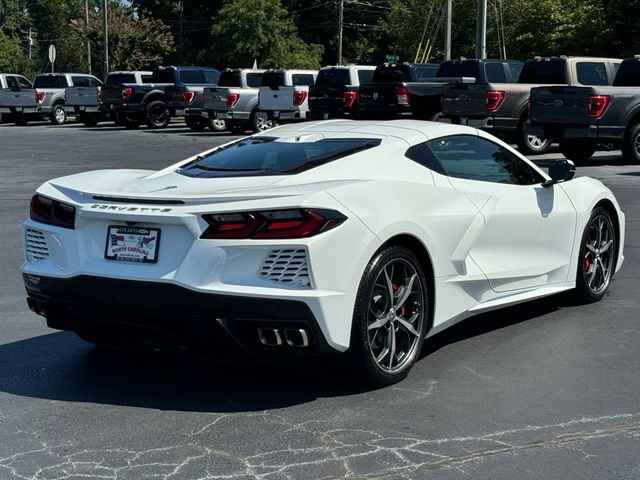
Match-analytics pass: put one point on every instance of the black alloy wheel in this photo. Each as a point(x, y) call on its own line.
point(196, 123)
point(156, 115)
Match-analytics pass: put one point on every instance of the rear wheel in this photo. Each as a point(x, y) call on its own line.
point(58, 116)
point(195, 123)
point(531, 144)
point(20, 120)
point(89, 120)
point(155, 114)
point(217, 125)
point(631, 144)
point(577, 150)
point(260, 122)
point(237, 128)
point(131, 123)
point(390, 317)
point(597, 260)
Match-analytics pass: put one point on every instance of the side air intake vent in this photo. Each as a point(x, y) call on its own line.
point(288, 266)
point(35, 245)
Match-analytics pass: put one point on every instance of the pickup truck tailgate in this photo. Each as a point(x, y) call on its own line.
point(464, 99)
point(215, 98)
point(83, 96)
point(381, 96)
point(560, 105)
point(278, 99)
point(24, 98)
point(327, 98)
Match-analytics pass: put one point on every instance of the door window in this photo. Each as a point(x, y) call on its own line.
point(211, 76)
point(23, 82)
point(12, 83)
point(80, 81)
point(94, 82)
point(592, 73)
point(191, 76)
point(495, 72)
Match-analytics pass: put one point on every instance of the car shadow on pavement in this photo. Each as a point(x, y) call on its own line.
point(60, 366)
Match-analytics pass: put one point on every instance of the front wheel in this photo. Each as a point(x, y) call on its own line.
point(58, 115)
point(155, 114)
point(631, 144)
point(597, 260)
point(577, 150)
point(390, 317)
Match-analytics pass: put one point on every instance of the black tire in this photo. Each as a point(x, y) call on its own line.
point(597, 260)
point(196, 123)
point(237, 128)
point(631, 144)
point(155, 115)
point(21, 120)
point(385, 282)
point(58, 116)
point(89, 120)
point(217, 125)
point(578, 151)
point(260, 122)
point(531, 144)
point(131, 123)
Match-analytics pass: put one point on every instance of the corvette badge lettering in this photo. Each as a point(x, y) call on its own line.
point(125, 208)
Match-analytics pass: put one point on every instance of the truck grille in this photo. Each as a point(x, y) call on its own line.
point(35, 245)
point(288, 266)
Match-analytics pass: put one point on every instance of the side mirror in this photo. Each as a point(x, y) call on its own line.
point(560, 171)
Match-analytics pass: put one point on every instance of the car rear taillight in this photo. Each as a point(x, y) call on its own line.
point(52, 212)
point(232, 99)
point(402, 95)
point(39, 96)
point(494, 99)
point(189, 96)
point(126, 93)
point(349, 99)
point(299, 97)
point(271, 224)
point(597, 105)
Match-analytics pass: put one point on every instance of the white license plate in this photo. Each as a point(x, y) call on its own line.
point(464, 120)
point(276, 114)
point(82, 109)
point(18, 109)
point(132, 244)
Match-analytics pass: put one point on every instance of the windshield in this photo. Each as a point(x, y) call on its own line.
point(260, 156)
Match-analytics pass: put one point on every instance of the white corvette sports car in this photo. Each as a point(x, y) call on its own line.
point(345, 237)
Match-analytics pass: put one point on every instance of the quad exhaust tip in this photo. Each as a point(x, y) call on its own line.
point(294, 337)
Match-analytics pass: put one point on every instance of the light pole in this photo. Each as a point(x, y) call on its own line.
point(86, 33)
point(106, 39)
point(340, 26)
point(481, 30)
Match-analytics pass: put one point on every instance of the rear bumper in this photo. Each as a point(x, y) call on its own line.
point(80, 109)
point(165, 315)
point(560, 131)
point(183, 111)
point(485, 123)
point(226, 114)
point(24, 110)
point(286, 114)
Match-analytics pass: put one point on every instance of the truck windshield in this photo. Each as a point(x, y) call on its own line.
point(229, 78)
point(162, 76)
point(629, 74)
point(261, 156)
point(115, 78)
point(50, 81)
point(333, 76)
point(549, 72)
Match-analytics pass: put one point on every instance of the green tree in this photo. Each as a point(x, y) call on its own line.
point(10, 53)
point(245, 30)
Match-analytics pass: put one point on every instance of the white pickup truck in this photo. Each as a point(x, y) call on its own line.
point(284, 94)
point(10, 83)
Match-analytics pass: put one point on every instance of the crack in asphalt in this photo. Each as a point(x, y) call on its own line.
point(337, 453)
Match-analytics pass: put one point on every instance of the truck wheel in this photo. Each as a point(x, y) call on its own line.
point(261, 122)
point(89, 120)
point(217, 125)
point(631, 144)
point(155, 114)
point(20, 120)
point(530, 144)
point(577, 150)
point(58, 115)
point(196, 123)
point(237, 128)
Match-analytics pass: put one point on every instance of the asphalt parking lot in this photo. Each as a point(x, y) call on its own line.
point(544, 390)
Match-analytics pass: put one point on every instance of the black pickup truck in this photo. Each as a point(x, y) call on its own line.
point(336, 92)
point(581, 118)
point(185, 98)
point(131, 104)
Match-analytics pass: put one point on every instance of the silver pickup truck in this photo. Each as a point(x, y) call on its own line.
point(83, 100)
point(46, 98)
point(235, 100)
point(10, 83)
point(284, 94)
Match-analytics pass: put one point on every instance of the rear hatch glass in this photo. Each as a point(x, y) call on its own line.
point(50, 81)
point(262, 156)
point(550, 72)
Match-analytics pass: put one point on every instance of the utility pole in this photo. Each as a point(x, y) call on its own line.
point(105, 34)
point(181, 11)
point(86, 33)
point(30, 42)
point(340, 25)
point(447, 33)
point(481, 30)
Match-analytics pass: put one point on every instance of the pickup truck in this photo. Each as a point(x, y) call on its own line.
point(184, 98)
point(235, 100)
point(581, 118)
point(131, 104)
point(335, 94)
point(413, 89)
point(46, 98)
point(83, 101)
point(284, 94)
point(502, 108)
point(10, 83)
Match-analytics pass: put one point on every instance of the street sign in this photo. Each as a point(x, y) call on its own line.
point(52, 56)
point(393, 58)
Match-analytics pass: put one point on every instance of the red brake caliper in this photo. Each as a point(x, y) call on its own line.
point(396, 287)
point(587, 263)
